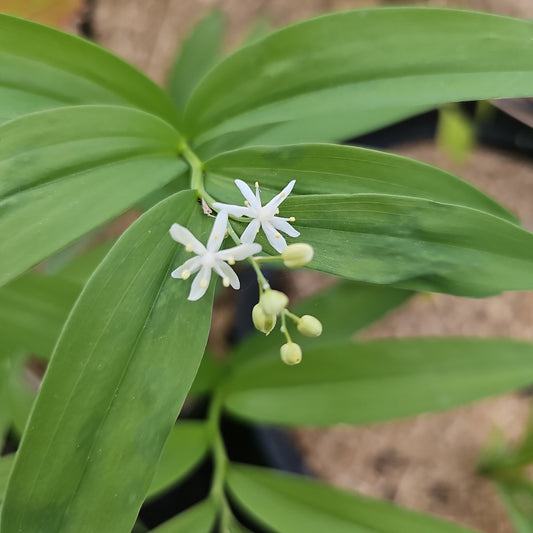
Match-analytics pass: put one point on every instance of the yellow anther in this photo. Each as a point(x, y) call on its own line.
point(256, 184)
point(215, 235)
point(231, 260)
point(292, 219)
point(185, 274)
point(225, 282)
point(203, 283)
point(277, 235)
point(246, 202)
point(283, 195)
point(189, 247)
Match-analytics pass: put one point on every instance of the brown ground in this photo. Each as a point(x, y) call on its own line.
point(426, 463)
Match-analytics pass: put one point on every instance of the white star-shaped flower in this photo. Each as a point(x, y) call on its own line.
point(262, 216)
point(210, 257)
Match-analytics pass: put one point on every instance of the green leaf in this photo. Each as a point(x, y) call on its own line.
point(6, 463)
point(44, 68)
point(333, 127)
point(412, 243)
point(518, 499)
point(66, 171)
point(364, 382)
point(199, 52)
point(343, 309)
point(115, 384)
point(236, 527)
point(376, 60)
point(185, 447)
point(292, 504)
point(197, 519)
point(33, 310)
point(81, 266)
point(327, 168)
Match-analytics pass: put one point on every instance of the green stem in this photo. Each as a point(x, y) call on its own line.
point(268, 259)
point(295, 318)
point(197, 173)
point(284, 329)
point(220, 460)
point(261, 280)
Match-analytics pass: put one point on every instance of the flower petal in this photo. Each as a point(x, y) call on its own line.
point(218, 232)
point(282, 225)
point(248, 194)
point(225, 271)
point(249, 234)
point(238, 253)
point(184, 236)
point(200, 284)
point(192, 265)
point(276, 201)
point(274, 237)
point(233, 210)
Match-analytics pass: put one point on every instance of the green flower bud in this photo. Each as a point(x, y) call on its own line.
point(309, 326)
point(297, 255)
point(273, 302)
point(263, 322)
point(291, 353)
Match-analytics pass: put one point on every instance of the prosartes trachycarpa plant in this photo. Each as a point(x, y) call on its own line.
point(232, 167)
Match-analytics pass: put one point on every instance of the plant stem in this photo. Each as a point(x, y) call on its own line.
point(197, 172)
point(261, 280)
point(220, 461)
point(284, 329)
point(292, 316)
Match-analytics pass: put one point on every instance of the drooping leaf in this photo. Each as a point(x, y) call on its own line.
point(33, 310)
point(43, 68)
point(364, 382)
point(343, 309)
point(115, 384)
point(376, 60)
point(412, 243)
point(197, 519)
point(199, 52)
point(333, 127)
point(292, 504)
point(327, 169)
point(81, 266)
point(185, 447)
point(66, 171)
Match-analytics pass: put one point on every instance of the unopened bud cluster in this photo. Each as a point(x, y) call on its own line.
point(274, 303)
